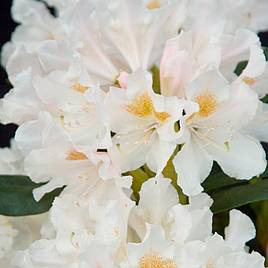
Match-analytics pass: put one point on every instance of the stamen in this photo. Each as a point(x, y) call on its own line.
point(154, 260)
point(79, 88)
point(143, 107)
point(74, 155)
point(209, 265)
point(161, 116)
point(153, 4)
point(249, 81)
point(207, 104)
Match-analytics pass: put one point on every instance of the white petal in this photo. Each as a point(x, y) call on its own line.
point(159, 154)
point(20, 61)
point(211, 81)
point(193, 165)
point(256, 63)
point(157, 196)
point(181, 225)
point(242, 259)
point(240, 230)
point(258, 127)
point(243, 159)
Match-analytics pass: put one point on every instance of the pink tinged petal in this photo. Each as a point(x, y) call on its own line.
point(122, 79)
point(20, 61)
point(54, 55)
point(176, 69)
point(236, 48)
point(21, 104)
point(193, 165)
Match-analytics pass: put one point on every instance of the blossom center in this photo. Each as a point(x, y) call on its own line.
point(79, 88)
point(74, 155)
point(249, 81)
point(209, 265)
point(143, 106)
point(153, 260)
point(207, 104)
point(153, 4)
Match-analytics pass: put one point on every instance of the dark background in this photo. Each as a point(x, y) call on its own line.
point(6, 28)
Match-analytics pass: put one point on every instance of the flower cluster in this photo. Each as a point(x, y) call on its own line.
point(105, 87)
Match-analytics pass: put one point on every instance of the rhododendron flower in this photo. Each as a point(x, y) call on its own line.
point(123, 107)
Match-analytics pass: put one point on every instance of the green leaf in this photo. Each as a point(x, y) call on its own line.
point(16, 198)
point(265, 99)
point(240, 67)
point(170, 172)
point(156, 79)
point(236, 195)
point(229, 193)
point(265, 49)
point(139, 177)
point(219, 180)
point(261, 215)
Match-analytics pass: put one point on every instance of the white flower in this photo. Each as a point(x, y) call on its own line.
point(248, 14)
point(190, 53)
point(153, 251)
point(159, 205)
point(213, 132)
point(86, 216)
point(219, 253)
point(110, 32)
point(85, 100)
point(53, 148)
point(143, 123)
point(36, 25)
point(71, 98)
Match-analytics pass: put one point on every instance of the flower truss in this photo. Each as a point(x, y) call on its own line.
point(105, 89)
